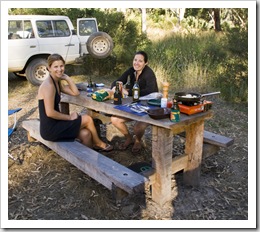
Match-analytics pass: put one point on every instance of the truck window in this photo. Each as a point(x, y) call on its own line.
point(87, 27)
point(52, 28)
point(20, 29)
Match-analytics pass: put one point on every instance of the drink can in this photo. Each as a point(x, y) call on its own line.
point(175, 116)
point(163, 102)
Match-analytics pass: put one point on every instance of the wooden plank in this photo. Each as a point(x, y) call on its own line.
point(209, 150)
point(99, 167)
point(216, 139)
point(162, 160)
point(193, 148)
point(179, 163)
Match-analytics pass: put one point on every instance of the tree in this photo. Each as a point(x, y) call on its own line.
point(143, 20)
point(216, 17)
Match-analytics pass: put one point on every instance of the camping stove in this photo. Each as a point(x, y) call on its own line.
point(190, 108)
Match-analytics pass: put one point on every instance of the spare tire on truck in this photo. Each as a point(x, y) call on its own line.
point(99, 45)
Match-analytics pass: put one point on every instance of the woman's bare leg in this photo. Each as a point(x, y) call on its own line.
point(139, 130)
point(85, 137)
point(119, 123)
point(87, 122)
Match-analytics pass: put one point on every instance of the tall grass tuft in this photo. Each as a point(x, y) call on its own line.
point(200, 62)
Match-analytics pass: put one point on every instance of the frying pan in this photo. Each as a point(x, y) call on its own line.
point(192, 97)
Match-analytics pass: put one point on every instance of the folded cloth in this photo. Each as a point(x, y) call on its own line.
point(150, 96)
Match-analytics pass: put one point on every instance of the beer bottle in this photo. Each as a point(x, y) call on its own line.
point(136, 91)
point(128, 83)
point(117, 95)
point(175, 112)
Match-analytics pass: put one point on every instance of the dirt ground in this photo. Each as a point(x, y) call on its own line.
point(47, 187)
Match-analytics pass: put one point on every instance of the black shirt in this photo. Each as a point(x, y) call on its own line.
point(147, 80)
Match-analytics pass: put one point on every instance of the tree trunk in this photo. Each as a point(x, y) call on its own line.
point(181, 12)
point(216, 12)
point(143, 20)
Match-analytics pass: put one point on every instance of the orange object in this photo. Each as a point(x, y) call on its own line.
point(206, 105)
point(169, 104)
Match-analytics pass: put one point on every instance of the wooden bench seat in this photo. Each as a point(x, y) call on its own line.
point(104, 170)
point(212, 143)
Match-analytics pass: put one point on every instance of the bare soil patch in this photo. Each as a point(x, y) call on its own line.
point(47, 187)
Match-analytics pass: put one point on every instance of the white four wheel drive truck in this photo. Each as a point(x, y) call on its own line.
point(32, 38)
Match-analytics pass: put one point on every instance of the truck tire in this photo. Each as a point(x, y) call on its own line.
point(100, 45)
point(36, 71)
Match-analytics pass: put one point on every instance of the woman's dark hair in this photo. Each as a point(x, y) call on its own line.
point(54, 57)
point(143, 54)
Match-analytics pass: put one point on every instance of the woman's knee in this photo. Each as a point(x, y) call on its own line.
point(85, 119)
point(115, 120)
point(85, 134)
point(141, 125)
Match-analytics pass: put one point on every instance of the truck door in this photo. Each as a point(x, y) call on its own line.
point(56, 37)
point(22, 44)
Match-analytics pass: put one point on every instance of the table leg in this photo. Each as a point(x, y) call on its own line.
point(162, 141)
point(64, 108)
point(193, 148)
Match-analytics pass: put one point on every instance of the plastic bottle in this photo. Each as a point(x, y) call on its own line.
point(136, 91)
point(117, 95)
point(175, 112)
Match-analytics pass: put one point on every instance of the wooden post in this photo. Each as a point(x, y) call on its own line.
point(193, 148)
point(64, 108)
point(162, 141)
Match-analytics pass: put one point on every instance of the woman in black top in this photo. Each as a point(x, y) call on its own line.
point(56, 126)
point(148, 84)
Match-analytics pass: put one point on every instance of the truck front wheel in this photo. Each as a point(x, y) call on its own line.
point(36, 71)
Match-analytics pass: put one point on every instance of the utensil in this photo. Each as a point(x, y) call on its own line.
point(192, 97)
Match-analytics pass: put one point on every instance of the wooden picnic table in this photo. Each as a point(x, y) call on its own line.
point(163, 131)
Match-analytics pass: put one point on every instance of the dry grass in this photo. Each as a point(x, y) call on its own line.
point(46, 187)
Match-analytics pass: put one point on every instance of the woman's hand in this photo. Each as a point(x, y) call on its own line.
point(73, 116)
point(64, 77)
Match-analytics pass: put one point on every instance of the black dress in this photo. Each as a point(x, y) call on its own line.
point(57, 130)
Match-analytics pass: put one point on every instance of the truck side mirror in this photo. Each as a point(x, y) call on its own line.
point(73, 32)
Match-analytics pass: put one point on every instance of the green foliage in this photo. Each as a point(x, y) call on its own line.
point(232, 76)
point(192, 57)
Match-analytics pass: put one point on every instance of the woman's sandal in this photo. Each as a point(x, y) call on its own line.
point(106, 149)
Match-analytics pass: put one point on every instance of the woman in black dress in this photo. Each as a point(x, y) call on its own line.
point(56, 126)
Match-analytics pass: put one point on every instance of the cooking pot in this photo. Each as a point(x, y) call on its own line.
point(192, 97)
point(159, 113)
